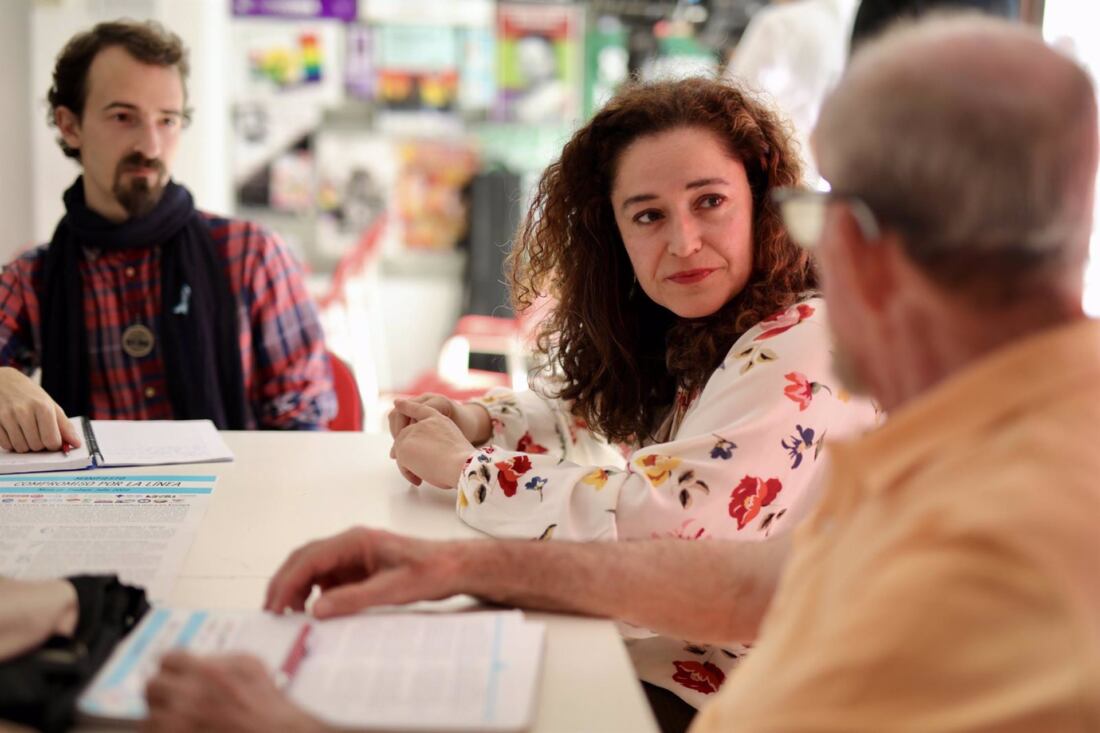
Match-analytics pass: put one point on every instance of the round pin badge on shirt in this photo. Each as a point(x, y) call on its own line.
point(138, 340)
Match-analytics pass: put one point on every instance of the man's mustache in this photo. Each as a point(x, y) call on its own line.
point(137, 160)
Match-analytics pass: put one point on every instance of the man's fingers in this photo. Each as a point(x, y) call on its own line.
point(49, 432)
point(294, 580)
point(157, 690)
point(69, 432)
point(177, 661)
point(291, 584)
point(411, 477)
point(29, 420)
point(379, 590)
point(15, 433)
point(164, 686)
point(242, 666)
point(393, 587)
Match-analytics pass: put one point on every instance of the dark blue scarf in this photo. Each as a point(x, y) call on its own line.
point(200, 344)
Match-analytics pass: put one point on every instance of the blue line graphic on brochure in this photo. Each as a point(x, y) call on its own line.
point(121, 485)
point(20, 477)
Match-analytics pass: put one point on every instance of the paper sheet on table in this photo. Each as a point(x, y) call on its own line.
point(391, 671)
point(156, 442)
point(113, 443)
point(139, 527)
point(471, 671)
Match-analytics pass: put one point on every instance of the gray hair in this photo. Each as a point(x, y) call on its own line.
point(977, 143)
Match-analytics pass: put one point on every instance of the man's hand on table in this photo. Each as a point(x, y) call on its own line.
point(429, 445)
point(29, 419)
point(360, 568)
point(233, 693)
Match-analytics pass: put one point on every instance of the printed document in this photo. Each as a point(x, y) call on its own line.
point(140, 527)
point(381, 670)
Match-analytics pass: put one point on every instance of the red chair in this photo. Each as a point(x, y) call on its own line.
point(349, 412)
point(453, 376)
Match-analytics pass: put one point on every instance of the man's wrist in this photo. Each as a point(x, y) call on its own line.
point(465, 560)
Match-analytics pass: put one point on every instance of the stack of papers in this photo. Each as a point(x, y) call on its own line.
point(391, 671)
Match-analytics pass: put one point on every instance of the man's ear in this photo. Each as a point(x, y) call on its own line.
point(871, 261)
point(68, 124)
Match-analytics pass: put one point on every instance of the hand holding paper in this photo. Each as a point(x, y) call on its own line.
point(223, 692)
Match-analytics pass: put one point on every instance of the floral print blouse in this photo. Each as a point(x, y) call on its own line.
point(742, 460)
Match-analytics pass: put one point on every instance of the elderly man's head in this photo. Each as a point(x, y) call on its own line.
point(974, 146)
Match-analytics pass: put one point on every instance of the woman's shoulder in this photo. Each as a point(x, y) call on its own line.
point(801, 321)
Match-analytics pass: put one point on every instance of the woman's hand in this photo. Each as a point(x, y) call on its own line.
point(471, 419)
point(431, 447)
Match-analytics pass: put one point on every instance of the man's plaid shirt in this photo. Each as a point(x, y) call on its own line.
point(287, 378)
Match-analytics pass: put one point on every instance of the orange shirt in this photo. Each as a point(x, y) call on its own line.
point(950, 578)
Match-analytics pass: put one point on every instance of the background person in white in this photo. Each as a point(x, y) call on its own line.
point(794, 51)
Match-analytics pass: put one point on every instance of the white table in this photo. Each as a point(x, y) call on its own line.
point(284, 489)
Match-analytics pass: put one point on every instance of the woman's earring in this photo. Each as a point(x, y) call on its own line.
point(633, 287)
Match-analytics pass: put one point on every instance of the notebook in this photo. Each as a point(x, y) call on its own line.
point(110, 443)
point(394, 671)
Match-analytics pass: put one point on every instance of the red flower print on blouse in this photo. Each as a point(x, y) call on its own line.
point(750, 496)
point(508, 473)
point(703, 677)
point(802, 390)
point(527, 444)
point(782, 322)
point(579, 423)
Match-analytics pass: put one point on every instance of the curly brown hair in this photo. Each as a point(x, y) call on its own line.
point(621, 356)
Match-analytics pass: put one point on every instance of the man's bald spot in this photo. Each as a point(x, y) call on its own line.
point(974, 61)
point(973, 135)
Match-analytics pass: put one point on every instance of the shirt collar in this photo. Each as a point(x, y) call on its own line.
point(1012, 379)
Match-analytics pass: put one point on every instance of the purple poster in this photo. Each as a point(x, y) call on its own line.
point(346, 10)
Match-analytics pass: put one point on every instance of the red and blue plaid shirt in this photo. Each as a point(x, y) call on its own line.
point(287, 378)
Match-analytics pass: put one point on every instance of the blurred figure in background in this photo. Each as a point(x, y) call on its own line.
point(794, 51)
point(875, 16)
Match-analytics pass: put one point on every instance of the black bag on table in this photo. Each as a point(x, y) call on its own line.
point(39, 688)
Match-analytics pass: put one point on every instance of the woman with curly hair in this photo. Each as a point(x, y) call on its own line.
point(686, 336)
